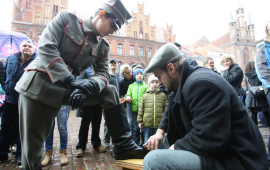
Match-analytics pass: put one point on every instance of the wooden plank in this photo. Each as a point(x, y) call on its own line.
point(130, 164)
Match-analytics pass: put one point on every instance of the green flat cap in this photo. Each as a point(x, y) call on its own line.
point(166, 54)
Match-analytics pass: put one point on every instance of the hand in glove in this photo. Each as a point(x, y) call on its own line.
point(77, 98)
point(89, 86)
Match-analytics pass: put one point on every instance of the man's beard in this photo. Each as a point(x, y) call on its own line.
point(169, 84)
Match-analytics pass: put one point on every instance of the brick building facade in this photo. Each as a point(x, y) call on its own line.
point(138, 40)
point(31, 16)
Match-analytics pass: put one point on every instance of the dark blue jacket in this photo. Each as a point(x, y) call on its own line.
point(115, 80)
point(14, 71)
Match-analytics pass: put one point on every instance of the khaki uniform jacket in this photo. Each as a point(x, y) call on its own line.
point(151, 109)
point(66, 42)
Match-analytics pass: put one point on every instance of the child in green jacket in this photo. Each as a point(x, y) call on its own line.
point(151, 109)
point(134, 94)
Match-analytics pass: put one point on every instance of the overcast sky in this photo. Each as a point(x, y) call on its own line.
point(191, 19)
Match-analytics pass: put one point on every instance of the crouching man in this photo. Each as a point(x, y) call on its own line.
point(207, 125)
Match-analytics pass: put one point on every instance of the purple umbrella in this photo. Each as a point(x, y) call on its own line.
point(10, 42)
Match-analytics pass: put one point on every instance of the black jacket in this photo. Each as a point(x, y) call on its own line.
point(123, 86)
point(258, 104)
point(2, 75)
point(234, 75)
point(205, 116)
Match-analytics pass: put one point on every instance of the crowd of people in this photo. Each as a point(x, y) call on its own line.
point(173, 114)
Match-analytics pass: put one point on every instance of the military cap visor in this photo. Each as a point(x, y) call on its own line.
point(166, 54)
point(116, 23)
point(117, 11)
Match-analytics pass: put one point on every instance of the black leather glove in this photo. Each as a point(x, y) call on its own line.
point(77, 98)
point(89, 86)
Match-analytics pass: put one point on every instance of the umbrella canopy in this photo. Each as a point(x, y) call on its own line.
point(10, 42)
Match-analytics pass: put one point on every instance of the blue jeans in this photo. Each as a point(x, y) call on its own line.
point(62, 128)
point(148, 132)
point(171, 159)
point(135, 130)
point(129, 114)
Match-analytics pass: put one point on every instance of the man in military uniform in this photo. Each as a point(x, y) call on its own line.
point(70, 45)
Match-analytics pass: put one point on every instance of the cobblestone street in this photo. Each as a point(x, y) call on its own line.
point(91, 159)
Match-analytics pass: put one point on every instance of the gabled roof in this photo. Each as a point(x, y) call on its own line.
point(225, 39)
point(204, 51)
point(201, 42)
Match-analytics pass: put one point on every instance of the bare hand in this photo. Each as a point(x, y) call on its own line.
point(154, 141)
point(129, 99)
point(140, 125)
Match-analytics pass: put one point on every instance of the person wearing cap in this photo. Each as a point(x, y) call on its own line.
point(136, 66)
point(151, 108)
point(69, 45)
point(207, 125)
point(114, 80)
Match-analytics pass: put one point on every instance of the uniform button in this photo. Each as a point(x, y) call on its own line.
point(86, 44)
point(81, 53)
point(72, 37)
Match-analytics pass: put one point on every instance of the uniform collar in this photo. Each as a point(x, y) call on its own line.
point(87, 27)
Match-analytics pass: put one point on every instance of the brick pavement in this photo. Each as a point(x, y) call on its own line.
point(91, 159)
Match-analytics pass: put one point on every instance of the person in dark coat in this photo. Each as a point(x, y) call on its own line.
point(126, 72)
point(207, 125)
point(233, 74)
point(2, 75)
point(208, 62)
point(258, 104)
point(89, 114)
point(14, 69)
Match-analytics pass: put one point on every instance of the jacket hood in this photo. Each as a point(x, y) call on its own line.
point(251, 75)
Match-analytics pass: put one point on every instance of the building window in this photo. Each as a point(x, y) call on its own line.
point(146, 36)
point(149, 52)
point(146, 21)
point(119, 49)
point(55, 8)
point(140, 24)
point(46, 21)
point(38, 18)
point(132, 49)
point(245, 56)
point(135, 34)
point(140, 51)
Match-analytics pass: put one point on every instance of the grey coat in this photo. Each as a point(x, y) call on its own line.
point(66, 42)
